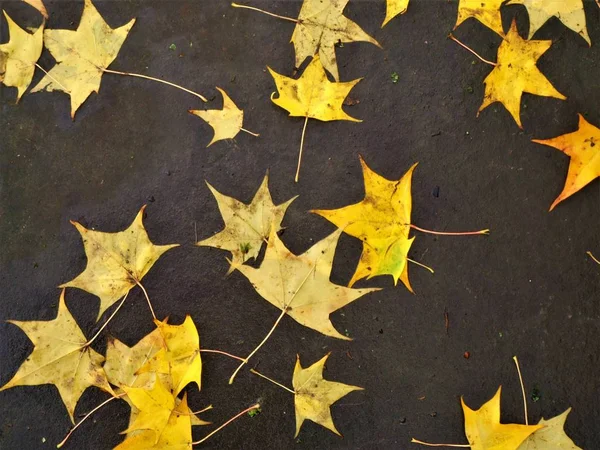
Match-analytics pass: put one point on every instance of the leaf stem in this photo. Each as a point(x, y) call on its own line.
point(208, 408)
point(301, 148)
point(51, 77)
point(247, 410)
point(416, 441)
point(420, 264)
point(291, 19)
point(449, 233)
point(522, 389)
point(491, 63)
point(88, 343)
point(86, 416)
point(147, 298)
point(146, 77)
point(266, 338)
point(205, 350)
point(256, 372)
point(590, 253)
point(250, 132)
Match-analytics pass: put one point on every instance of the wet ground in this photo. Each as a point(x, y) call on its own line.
point(528, 289)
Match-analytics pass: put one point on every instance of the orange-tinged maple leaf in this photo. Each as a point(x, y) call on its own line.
point(583, 147)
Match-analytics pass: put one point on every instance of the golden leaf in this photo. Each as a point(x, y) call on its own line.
point(116, 262)
point(516, 73)
point(82, 56)
point(486, 11)
point(322, 24)
point(226, 122)
point(300, 286)
point(315, 395)
point(382, 222)
point(569, 12)
point(583, 147)
point(61, 357)
point(394, 8)
point(247, 227)
point(19, 56)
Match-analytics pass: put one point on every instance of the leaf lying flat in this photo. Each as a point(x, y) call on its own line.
point(226, 122)
point(382, 222)
point(394, 8)
point(116, 261)
point(321, 25)
point(300, 286)
point(486, 11)
point(551, 437)
point(247, 227)
point(19, 55)
point(82, 56)
point(60, 357)
point(516, 73)
point(583, 147)
point(315, 395)
point(569, 12)
point(485, 432)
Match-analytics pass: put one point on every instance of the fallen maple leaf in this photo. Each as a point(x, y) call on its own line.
point(516, 73)
point(226, 122)
point(394, 8)
point(312, 96)
point(180, 356)
point(39, 5)
point(485, 11)
point(247, 226)
point(19, 56)
point(569, 12)
point(61, 356)
point(551, 436)
point(116, 262)
point(82, 56)
point(583, 147)
point(314, 395)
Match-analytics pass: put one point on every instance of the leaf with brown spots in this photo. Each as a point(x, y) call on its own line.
point(61, 357)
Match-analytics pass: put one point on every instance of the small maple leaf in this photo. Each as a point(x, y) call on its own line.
point(312, 96)
point(226, 122)
point(551, 436)
point(485, 11)
point(516, 73)
point(116, 262)
point(61, 357)
point(39, 5)
point(315, 395)
point(247, 226)
point(485, 432)
point(322, 24)
point(382, 222)
point(569, 12)
point(394, 8)
point(299, 284)
point(82, 56)
point(19, 56)
point(180, 356)
point(583, 147)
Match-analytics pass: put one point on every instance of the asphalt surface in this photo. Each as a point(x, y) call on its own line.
point(528, 289)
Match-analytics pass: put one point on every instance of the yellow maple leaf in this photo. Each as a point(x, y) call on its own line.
point(394, 8)
point(583, 147)
point(61, 357)
point(19, 56)
point(180, 355)
point(485, 11)
point(516, 73)
point(39, 5)
point(247, 226)
point(116, 262)
point(299, 285)
point(312, 95)
point(569, 12)
point(382, 222)
point(485, 432)
point(82, 56)
point(314, 395)
point(322, 24)
point(551, 437)
point(226, 122)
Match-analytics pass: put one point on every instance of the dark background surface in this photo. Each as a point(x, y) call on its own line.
point(528, 289)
